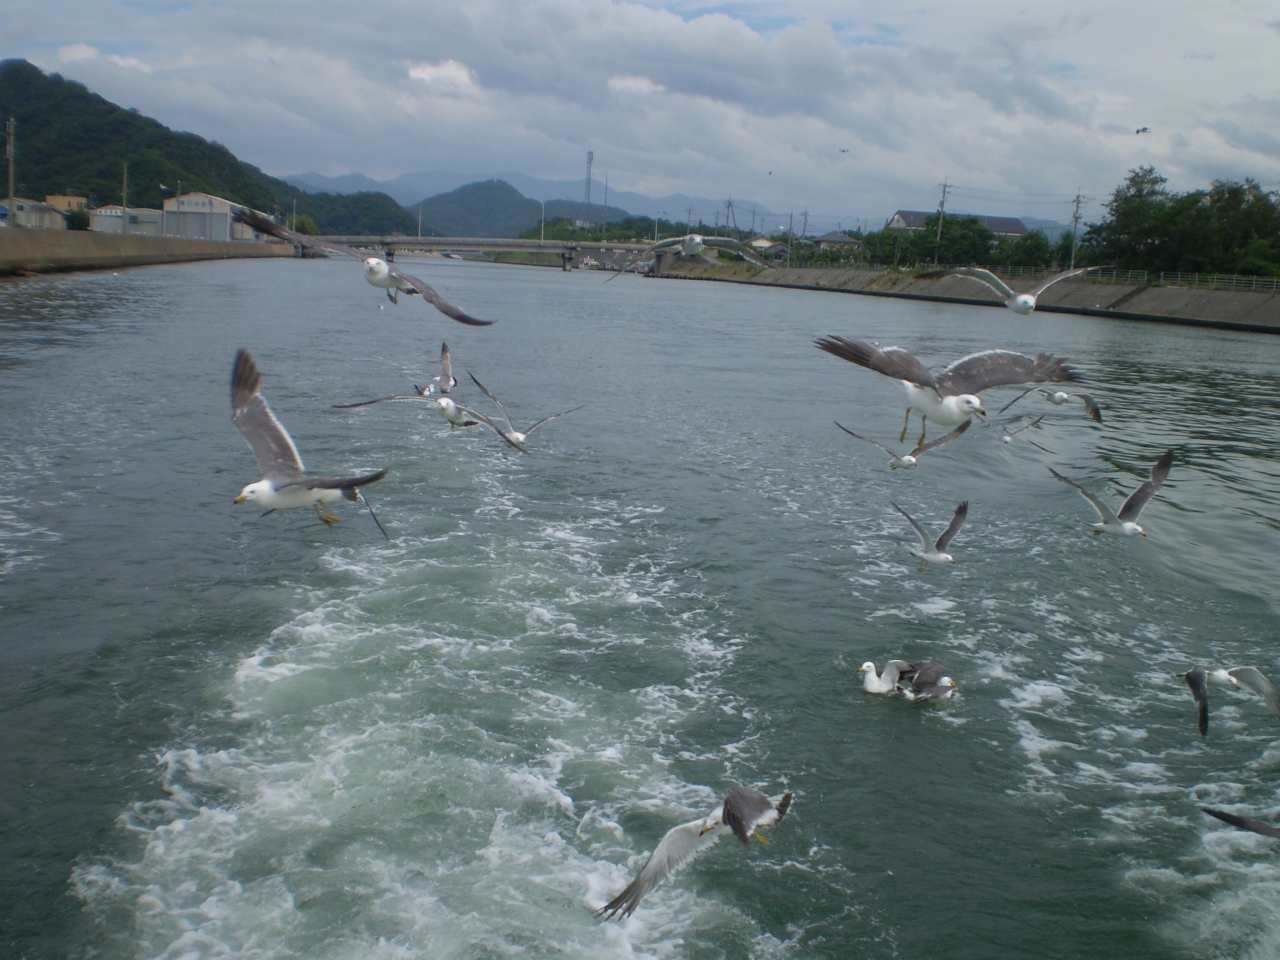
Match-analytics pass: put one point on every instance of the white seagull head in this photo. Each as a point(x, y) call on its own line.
point(255, 490)
point(969, 403)
point(713, 821)
point(375, 268)
point(692, 245)
point(1022, 304)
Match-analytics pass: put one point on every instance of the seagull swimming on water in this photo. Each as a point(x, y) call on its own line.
point(929, 682)
point(743, 813)
point(936, 552)
point(1020, 303)
point(1125, 522)
point(284, 481)
point(1250, 678)
point(509, 433)
point(908, 460)
point(693, 244)
point(381, 274)
point(951, 397)
point(877, 679)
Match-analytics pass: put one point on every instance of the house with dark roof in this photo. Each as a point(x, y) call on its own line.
point(1000, 226)
point(838, 240)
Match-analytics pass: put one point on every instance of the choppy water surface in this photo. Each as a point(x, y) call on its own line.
point(227, 735)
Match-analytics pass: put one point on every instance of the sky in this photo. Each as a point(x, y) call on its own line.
point(845, 108)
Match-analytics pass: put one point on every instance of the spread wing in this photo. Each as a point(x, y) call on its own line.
point(660, 245)
point(986, 277)
point(729, 243)
point(334, 483)
point(440, 303)
point(483, 418)
point(1001, 368)
point(552, 417)
point(678, 847)
point(891, 361)
point(957, 521)
point(271, 444)
point(867, 439)
point(398, 396)
point(1257, 826)
point(1014, 400)
point(745, 810)
point(485, 391)
point(1104, 511)
point(1252, 678)
point(271, 228)
point(446, 377)
point(945, 438)
point(924, 534)
point(1054, 279)
point(1197, 681)
point(927, 675)
point(1138, 499)
point(1091, 406)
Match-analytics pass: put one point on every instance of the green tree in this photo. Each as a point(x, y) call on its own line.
point(1029, 250)
point(78, 220)
point(304, 225)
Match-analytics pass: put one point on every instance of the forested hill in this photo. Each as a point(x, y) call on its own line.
point(72, 140)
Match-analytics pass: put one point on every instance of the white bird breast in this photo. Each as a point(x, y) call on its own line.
point(1022, 304)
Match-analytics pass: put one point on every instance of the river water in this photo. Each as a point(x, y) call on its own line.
point(227, 735)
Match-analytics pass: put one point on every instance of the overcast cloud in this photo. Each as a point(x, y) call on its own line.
point(1016, 103)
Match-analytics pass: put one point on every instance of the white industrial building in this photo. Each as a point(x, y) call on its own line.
point(196, 216)
point(143, 221)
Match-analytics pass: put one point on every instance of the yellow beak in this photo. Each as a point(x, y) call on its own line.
point(240, 499)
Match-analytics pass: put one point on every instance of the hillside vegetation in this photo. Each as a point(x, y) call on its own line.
point(72, 140)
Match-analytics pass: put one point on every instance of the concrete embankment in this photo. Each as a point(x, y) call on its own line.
point(44, 251)
point(1229, 309)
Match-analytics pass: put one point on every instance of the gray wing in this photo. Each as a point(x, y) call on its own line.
point(1257, 826)
point(1104, 511)
point(446, 377)
point(731, 244)
point(398, 396)
point(924, 534)
point(745, 809)
point(678, 847)
point(1252, 678)
point(674, 241)
point(957, 521)
point(271, 444)
point(1091, 406)
point(1014, 400)
point(539, 423)
point(485, 391)
point(899, 668)
point(1025, 426)
point(1138, 499)
point(891, 361)
point(440, 303)
point(927, 675)
point(1197, 680)
point(1001, 368)
point(945, 438)
point(334, 483)
point(866, 439)
point(1054, 279)
point(273, 229)
point(485, 419)
point(987, 277)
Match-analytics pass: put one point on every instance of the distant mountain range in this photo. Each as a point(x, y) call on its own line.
point(494, 208)
point(410, 189)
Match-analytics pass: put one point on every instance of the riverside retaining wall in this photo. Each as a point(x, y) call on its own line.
point(44, 251)
point(1230, 309)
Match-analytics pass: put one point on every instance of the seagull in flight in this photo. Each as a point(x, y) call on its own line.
point(284, 481)
point(908, 460)
point(509, 432)
point(1058, 398)
point(1125, 522)
point(1020, 303)
point(1143, 130)
point(951, 397)
point(744, 813)
point(445, 382)
point(1006, 436)
point(936, 551)
point(693, 244)
point(1250, 678)
point(381, 274)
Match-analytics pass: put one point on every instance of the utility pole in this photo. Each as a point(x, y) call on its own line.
point(604, 220)
point(10, 129)
point(544, 220)
point(419, 220)
point(804, 229)
point(791, 234)
point(295, 218)
point(942, 213)
point(124, 201)
point(1075, 226)
point(591, 156)
point(688, 220)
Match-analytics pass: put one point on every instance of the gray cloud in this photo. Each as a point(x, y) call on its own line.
point(688, 96)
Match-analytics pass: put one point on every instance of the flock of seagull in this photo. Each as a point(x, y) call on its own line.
point(951, 398)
